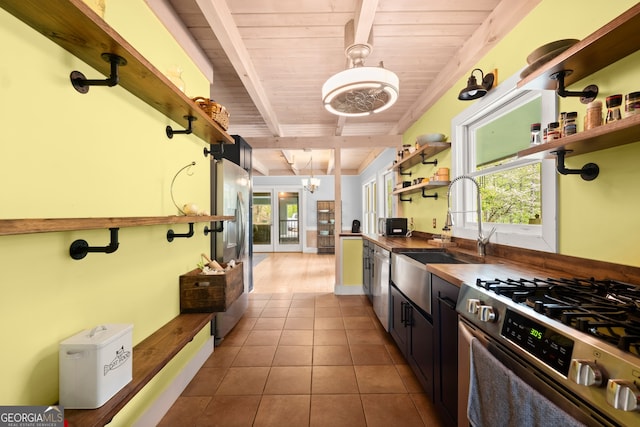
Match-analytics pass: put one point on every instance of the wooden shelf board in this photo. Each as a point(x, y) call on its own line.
point(46, 225)
point(429, 150)
point(75, 27)
point(607, 45)
point(427, 186)
point(610, 135)
point(149, 357)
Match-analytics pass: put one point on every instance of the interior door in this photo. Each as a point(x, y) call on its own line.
point(263, 227)
point(289, 225)
point(277, 224)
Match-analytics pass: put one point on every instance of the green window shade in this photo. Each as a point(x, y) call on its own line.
point(508, 134)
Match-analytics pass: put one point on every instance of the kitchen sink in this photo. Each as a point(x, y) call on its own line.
point(409, 274)
point(434, 257)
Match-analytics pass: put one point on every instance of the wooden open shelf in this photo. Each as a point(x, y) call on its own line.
point(418, 187)
point(149, 357)
point(607, 45)
point(610, 135)
point(428, 150)
point(46, 225)
point(75, 27)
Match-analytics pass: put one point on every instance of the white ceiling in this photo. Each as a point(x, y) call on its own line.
point(269, 58)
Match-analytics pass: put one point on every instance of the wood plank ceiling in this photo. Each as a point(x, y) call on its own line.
point(270, 58)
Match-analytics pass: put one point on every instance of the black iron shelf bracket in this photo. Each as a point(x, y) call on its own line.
point(219, 228)
point(410, 200)
point(214, 150)
point(403, 173)
point(433, 196)
point(589, 172)
point(586, 96)
point(172, 234)
point(82, 84)
point(80, 248)
point(170, 132)
point(424, 162)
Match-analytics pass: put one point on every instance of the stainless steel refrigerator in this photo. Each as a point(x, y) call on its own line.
point(232, 187)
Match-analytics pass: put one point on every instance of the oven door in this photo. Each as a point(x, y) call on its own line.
point(534, 378)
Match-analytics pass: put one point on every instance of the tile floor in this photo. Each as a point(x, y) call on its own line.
point(305, 359)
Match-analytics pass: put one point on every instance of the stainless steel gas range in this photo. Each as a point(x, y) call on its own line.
point(575, 341)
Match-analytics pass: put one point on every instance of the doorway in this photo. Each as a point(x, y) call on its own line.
point(277, 220)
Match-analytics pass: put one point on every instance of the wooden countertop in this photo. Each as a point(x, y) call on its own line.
point(400, 244)
point(458, 274)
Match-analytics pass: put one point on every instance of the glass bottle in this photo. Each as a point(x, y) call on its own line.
point(613, 108)
point(535, 134)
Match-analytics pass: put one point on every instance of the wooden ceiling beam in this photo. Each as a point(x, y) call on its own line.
point(325, 142)
point(499, 23)
point(221, 22)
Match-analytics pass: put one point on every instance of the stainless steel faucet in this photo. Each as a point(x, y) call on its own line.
point(482, 241)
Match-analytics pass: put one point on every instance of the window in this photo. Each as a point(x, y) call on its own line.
point(370, 202)
point(518, 195)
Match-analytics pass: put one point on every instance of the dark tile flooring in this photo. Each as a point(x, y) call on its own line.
point(305, 359)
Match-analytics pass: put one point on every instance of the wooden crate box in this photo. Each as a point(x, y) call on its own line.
point(210, 293)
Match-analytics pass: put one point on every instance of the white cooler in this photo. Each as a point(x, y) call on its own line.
point(94, 365)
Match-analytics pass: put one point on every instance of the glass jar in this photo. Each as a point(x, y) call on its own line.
point(613, 108)
point(593, 118)
point(632, 104)
point(535, 134)
point(570, 123)
point(553, 131)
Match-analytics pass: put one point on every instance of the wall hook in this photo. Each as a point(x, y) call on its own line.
point(218, 229)
point(82, 84)
point(172, 234)
point(215, 150)
point(170, 132)
point(586, 96)
point(406, 200)
point(433, 196)
point(424, 162)
point(80, 248)
point(589, 172)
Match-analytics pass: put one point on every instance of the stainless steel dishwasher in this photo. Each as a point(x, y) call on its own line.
point(380, 284)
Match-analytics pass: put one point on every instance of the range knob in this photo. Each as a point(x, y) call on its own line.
point(585, 372)
point(472, 305)
point(486, 313)
point(623, 394)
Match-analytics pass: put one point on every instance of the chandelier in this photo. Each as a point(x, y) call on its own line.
point(360, 90)
point(310, 184)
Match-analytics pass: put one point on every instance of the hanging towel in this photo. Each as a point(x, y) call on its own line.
point(498, 397)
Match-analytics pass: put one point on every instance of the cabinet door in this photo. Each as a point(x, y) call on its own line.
point(398, 328)
point(445, 323)
point(421, 349)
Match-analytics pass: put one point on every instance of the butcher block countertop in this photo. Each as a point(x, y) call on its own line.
point(503, 262)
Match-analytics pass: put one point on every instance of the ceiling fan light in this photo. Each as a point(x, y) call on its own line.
point(360, 91)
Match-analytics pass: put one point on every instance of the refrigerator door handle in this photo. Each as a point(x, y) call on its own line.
point(240, 226)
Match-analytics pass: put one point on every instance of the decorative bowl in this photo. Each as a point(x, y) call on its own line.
point(555, 47)
point(324, 232)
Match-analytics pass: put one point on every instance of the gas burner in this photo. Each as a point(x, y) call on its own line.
point(606, 309)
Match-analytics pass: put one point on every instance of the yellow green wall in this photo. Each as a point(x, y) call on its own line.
point(102, 154)
point(596, 220)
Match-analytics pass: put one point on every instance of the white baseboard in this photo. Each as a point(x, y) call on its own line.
point(163, 403)
point(348, 290)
